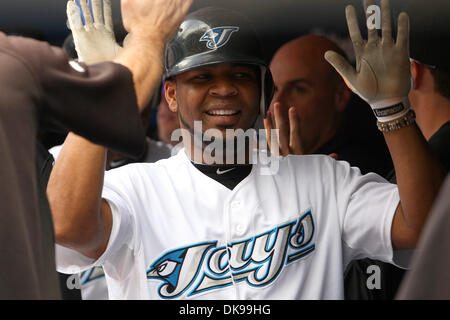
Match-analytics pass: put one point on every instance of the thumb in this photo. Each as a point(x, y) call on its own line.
point(343, 67)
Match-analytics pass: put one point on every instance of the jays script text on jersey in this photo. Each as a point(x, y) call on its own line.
point(257, 260)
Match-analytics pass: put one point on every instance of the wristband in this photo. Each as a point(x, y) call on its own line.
point(392, 109)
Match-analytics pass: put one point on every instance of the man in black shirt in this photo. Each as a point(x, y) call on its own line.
point(430, 68)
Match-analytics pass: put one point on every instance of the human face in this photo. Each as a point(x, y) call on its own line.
point(302, 80)
point(221, 96)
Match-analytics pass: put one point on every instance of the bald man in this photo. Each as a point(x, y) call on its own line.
point(333, 121)
point(305, 80)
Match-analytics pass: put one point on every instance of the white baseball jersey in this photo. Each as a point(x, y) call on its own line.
point(92, 281)
point(178, 234)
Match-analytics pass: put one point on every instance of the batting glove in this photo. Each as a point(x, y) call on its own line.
point(95, 41)
point(382, 76)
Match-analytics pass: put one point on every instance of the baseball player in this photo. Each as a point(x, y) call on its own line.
point(184, 229)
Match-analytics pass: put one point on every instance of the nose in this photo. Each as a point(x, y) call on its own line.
point(223, 88)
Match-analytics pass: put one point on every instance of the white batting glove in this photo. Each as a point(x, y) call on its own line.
point(382, 76)
point(94, 42)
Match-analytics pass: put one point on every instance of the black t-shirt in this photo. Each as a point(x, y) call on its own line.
point(440, 144)
point(359, 142)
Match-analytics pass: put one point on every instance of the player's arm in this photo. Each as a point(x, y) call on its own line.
point(382, 78)
point(82, 220)
point(419, 177)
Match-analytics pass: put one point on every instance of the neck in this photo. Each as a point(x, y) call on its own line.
point(218, 152)
point(432, 113)
point(329, 134)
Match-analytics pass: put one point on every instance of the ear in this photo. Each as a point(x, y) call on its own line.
point(342, 96)
point(170, 90)
point(416, 73)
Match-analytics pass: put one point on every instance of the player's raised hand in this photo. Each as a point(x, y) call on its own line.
point(288, 139)
point(382, 76)
point(155, 19)
point(94, 41)
point(288, 136)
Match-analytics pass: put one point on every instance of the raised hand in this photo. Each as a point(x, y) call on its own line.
point(382, 75)
point(95, 41)
point(288, 137)
point(158, 18)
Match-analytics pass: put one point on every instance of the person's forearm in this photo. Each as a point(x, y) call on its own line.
point(74, 193)
point(144, 58)
point(419, 174)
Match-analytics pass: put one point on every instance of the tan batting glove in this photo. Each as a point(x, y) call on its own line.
point(94, 42)
point(382, 76)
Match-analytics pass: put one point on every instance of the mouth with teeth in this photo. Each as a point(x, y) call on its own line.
point(224, 112)
point(225, 117)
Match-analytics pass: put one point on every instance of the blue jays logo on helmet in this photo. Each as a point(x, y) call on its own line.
point(218, 37)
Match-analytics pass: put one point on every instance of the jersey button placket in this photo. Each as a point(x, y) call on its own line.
point(236, 228)
point(239, 227)
point(235, 205)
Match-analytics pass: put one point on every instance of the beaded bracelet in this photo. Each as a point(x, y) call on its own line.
point(407, 120)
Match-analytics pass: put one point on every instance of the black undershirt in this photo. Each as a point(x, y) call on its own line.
point(228, 175)
point(440, 144)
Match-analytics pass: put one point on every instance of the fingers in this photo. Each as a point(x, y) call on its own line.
point(86, 13)
point(282, 124)
point(372, 33)
point(386, 23)
point(75, 23)
point(108, 15)
point(342, 66)
point(73, 15)
point(286, 139)
point(295, 143)
point(186, 5)
point(162, 17)
point(403, 30)
point(353, 27)
point(97, 11)
point(268, 126)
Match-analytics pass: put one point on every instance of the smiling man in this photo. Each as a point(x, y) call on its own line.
point(184, 229)
point(217, 79)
